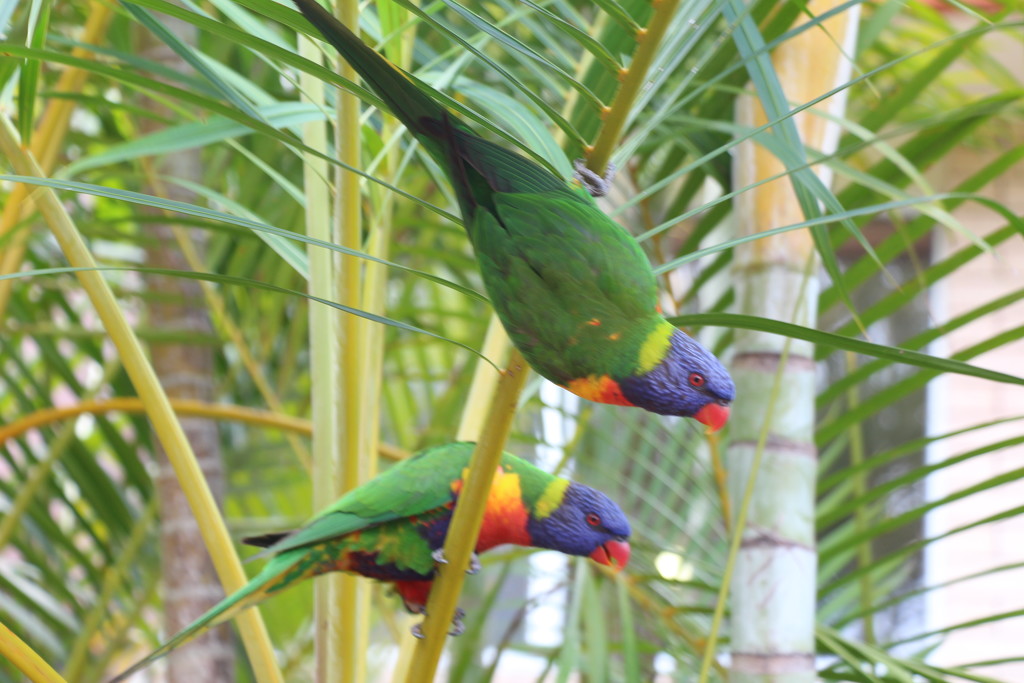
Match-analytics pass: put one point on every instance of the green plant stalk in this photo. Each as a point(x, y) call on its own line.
point(126, 556)
point(323, 350)
point(596, 628)
point(165, 423)
point(467, 519)
point(46, 141)
point(860, 515)
point(632, 79)
point(721, 478)
point(358, 460)
point(655, 606)
point(569, 653)
point(630, 650)
point(741, 516)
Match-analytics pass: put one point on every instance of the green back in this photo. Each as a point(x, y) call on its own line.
point(553, 265)
point(414, 487)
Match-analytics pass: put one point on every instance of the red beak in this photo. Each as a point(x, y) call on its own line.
point(714, 415)
point(612, 553)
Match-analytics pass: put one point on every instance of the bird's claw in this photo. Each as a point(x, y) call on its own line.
point(458, 628)
point(596, 185)
point(474, 560)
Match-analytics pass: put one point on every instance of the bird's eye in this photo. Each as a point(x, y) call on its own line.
point(593, 519)
point(697, 379)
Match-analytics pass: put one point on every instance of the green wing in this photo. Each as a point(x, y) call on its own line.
point(411, 487)
point(553, 265)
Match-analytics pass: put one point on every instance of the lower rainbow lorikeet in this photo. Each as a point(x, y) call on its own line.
point(393, 528)
point(573, 289)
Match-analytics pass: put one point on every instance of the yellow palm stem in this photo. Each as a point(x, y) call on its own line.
point(158, 408)
point(352, 615)
point(323, 348)
point(467, 520)
point(485, 380)
point(474, 411)
point(721, 478)
point(632, 78)
point(25, 659)
point(181, 406)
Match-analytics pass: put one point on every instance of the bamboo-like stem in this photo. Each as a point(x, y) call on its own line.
point(474, 411)
point(467, 520)
point(632, 79)
point(774, 591)
point(352, 615)
point(750, 481)
point(46, 140)
point(25, 659)
point(323, 349)
point(165, 424)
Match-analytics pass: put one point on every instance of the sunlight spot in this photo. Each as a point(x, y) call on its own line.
point(673, 567)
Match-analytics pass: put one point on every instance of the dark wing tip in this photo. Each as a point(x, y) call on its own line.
point(264, 540)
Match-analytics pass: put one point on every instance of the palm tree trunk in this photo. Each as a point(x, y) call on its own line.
point(774, 588)
point(186, 371)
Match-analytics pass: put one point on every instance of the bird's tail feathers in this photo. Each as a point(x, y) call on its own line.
point(398, 89)
point(450, 155)
point(247, 596)
point(265, 540)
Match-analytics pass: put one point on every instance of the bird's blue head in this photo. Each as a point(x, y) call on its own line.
point(687, 381)
point(585, 522)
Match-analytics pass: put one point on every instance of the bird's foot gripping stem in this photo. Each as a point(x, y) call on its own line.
point(458, 628)
point(596, 185)
point(474, 560)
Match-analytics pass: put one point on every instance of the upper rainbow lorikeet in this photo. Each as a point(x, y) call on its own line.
point(392, 528)
point(573, 289)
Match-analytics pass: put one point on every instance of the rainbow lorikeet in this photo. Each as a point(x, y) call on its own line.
point(393, 527)
point(572, 288)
